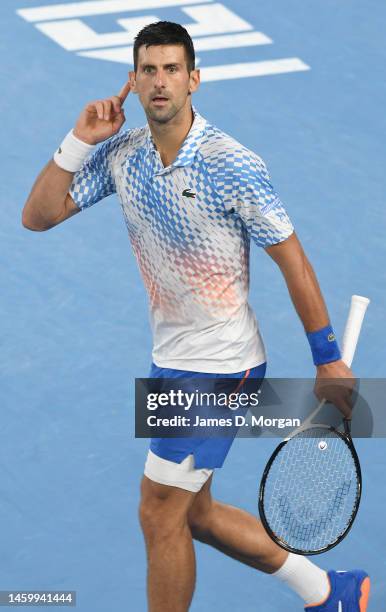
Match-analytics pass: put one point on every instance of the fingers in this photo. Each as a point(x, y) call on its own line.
point(337, 392)
point(99, 109)
point(117, 104)
point(343, 403)
point(346, 409)
point(106, 109)
point(124, 92)
point(103, 109)
point(118, 121)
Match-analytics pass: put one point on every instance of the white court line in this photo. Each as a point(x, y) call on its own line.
point(253, 69)
point(97, 7)
point(124, 55)
point(214, 73)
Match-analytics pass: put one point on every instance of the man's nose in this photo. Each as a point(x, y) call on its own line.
point(159, 79)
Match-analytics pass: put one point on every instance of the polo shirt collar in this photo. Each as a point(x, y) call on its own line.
point(189, 147)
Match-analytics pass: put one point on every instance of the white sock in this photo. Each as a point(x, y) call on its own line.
point(305, 578)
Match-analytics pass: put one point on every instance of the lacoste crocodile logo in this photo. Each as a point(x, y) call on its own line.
point(188, 194)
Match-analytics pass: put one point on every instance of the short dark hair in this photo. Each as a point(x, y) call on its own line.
point(165, 33)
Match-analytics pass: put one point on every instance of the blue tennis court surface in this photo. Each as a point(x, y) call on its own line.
point(302, 84)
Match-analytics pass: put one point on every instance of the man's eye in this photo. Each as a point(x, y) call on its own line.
point(172, 68)
point(148, 69)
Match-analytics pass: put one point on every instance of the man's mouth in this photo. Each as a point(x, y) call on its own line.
point(159, 99)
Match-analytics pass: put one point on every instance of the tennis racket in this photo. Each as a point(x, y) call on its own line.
point(311, 486)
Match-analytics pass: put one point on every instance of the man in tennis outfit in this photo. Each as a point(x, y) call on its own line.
point(192, 198)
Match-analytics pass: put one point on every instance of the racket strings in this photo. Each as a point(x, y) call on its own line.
point(311, 490)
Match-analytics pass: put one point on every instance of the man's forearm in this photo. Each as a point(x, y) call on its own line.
point(49, 202)
point(307, 298)
point(309, 303)
point(46, 204)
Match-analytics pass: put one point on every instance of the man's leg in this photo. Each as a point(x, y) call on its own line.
point(172, 513)
point(170, 552)
point(241, 536)
point(170, 516)
point(234, 532)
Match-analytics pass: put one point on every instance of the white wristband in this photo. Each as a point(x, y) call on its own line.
point(72, 153)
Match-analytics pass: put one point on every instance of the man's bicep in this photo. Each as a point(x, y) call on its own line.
point(286, 248)
point(291, 258)
point(69, 210)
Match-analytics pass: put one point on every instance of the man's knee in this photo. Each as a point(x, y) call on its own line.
point(200, 514)
point(163, 510)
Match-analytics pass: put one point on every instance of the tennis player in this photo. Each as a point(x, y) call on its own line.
point(192, 198)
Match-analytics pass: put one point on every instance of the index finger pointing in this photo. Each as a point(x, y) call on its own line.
point(124, 92)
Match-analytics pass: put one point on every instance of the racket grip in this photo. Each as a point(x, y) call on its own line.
point(353, 327)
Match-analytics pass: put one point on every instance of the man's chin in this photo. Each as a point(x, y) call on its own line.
point(161, 115)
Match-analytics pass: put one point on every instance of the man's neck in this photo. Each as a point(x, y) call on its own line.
point(168, 137)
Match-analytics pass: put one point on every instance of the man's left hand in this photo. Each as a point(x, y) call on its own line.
point(334, 383)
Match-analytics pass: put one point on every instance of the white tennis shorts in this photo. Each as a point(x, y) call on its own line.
point(182, 475)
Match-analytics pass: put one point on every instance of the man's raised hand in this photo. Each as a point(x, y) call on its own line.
point(102, 119)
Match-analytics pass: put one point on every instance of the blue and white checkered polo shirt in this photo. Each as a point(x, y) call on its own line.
point(190, 226)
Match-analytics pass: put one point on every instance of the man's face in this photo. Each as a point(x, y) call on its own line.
point(163, 82)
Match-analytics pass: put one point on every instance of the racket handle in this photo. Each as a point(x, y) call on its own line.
point(353, 327)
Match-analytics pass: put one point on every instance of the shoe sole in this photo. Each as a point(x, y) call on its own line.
point(365, 593)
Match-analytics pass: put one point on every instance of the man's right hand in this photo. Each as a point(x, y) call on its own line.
point(102, 119)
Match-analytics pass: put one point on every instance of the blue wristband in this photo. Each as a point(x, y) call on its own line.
point(324, 346)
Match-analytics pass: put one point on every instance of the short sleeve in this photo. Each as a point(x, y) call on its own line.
point(94, 181)
point(258, 204)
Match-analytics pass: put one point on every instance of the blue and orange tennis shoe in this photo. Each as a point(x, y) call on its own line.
point(349, 593)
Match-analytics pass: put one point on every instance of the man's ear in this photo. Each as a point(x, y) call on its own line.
point(194, 80)
point(133, 82)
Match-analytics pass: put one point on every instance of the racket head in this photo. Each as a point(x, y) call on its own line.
point(310, 493)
